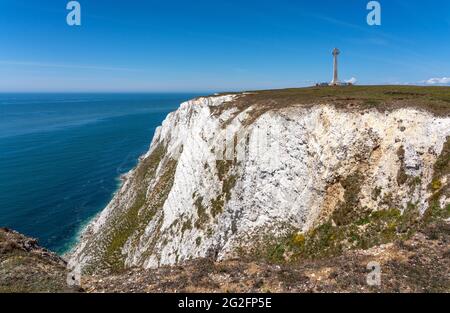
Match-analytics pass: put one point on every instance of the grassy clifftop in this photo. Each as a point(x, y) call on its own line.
point(383, 98)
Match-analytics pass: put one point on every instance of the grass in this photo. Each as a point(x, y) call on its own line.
point(25, 267)
point(442, 165)
point(345, 210)
point(223, 167)
point(383, 98)
point(202, 215)
point(187, 225)
point(376, 192)
point(129, 223)
point(328, 239)
point(122, 232)
point(441, 169)
point(217, 205)
point(351, 226)
point(402, 177)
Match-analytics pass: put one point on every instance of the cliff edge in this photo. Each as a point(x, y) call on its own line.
point(279, 176)
point(27, 267)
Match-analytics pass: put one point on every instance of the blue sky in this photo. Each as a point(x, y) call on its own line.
point(218, 45)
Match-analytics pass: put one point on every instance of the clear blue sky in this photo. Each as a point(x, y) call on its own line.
point(218, 45)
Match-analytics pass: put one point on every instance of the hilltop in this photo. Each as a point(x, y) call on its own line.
point(435, 99)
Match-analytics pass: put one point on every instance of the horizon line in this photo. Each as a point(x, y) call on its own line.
point(198, 91)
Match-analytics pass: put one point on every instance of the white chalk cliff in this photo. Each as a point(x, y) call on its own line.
point(215, 179)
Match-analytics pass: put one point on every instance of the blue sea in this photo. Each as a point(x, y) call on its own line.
point(61, 156)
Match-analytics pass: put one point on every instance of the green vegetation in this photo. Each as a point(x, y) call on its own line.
point(22, 272)
point(414, 181)
point(371, 103)
point(401, 175)
point(187, 225)
point(376, 192)
point(148, 166)
point(130, 223)
point(329, 239)
point(351, 226)
point(382, 98)
point(122, 232)
point(345, 211)
point(223, 167)
point(441, 169)
point(217, 205)
point(442, 165)
point(25, 267)
point(228, 185)
point(203, 216)
point(228, 182)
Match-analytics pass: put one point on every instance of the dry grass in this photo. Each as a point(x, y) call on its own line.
point(383, 98)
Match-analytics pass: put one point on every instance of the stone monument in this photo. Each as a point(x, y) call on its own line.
point(335, 80)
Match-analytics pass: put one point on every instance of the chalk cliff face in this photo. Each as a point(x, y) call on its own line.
point(220, 179)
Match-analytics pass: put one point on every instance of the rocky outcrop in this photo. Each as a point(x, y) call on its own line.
point(227, 175)
point(27, 267)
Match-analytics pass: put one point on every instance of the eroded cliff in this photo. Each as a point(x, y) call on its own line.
point(280, 175)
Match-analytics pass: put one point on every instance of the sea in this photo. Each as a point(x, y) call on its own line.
point(62, 155)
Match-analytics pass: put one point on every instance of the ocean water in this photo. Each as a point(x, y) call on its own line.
point(61, 156)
